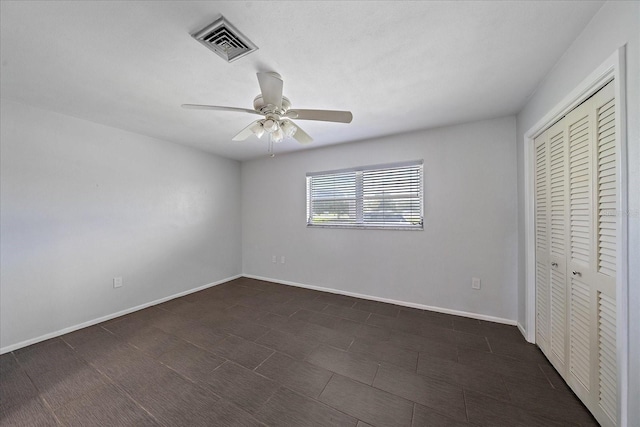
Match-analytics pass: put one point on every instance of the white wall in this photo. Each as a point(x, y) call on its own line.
point(616, 24)
point(82, 203)
point(470, 222)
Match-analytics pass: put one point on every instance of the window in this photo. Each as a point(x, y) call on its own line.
point(382, 196)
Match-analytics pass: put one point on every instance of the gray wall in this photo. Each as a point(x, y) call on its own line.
point(82, 203)
point(470, 222)
point(616, 24)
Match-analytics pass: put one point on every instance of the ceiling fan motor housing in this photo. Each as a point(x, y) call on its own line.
point(262, 108)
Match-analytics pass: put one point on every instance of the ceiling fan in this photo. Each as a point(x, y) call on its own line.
point(277, 113)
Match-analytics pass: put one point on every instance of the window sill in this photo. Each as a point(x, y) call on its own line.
point(369, 227)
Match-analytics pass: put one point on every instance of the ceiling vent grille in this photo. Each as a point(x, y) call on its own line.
point(225, 40)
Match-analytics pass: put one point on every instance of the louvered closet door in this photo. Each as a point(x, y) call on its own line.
point(543, 309)
point(592, 261)
point(551, 185)
point(576, 198)
point(581, 320)
point(604, 256)
point(558, 220)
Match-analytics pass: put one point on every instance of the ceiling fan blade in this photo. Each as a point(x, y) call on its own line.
point(247, 132)
point(301, 136)
point(321, 115)
point(271, 88)
point(218, 108)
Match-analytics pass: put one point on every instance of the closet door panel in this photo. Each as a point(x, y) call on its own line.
point(558, 190)
point(543, 309)
point(580, 123)
point(605, 256)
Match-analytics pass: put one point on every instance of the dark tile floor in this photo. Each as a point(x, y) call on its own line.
point(257, 353)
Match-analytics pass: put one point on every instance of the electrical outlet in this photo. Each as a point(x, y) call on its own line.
point(117, 282)
point(273, 259)
point(282, 259)
point(475, 283)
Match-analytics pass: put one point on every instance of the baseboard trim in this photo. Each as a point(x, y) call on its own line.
point(523, 331)
point(50, 335)
point(388, 300)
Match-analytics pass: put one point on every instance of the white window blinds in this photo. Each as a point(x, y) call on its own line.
point(382, 196)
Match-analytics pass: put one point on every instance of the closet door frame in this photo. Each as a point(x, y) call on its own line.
point(612, 69)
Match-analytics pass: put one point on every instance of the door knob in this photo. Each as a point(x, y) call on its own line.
point(554, 264)
point(577, 273)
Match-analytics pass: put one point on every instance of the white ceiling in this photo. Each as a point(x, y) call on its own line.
point(398, 66)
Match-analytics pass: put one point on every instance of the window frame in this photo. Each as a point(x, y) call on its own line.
point(359, 197)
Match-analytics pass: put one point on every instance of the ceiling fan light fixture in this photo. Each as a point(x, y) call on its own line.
point(270, 125)
point(257, 129)
point(288, 128)
point(277, 135)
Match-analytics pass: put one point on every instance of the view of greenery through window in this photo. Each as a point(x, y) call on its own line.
point(379, 197)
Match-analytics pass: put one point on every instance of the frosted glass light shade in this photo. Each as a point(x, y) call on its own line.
point(270, 125)
point(288, 128)
point(277, 135)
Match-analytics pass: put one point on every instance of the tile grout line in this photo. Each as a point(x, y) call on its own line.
point(325, 386)
point(466, 407)
point(547, 377)
point(261, 363)
point(50, 408)
point(413, 412)
point(504, 384)
point(375, 376)
point(489, 344)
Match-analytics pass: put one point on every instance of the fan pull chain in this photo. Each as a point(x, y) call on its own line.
point(270, 150)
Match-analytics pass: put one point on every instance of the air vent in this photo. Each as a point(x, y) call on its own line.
point(223, 38)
